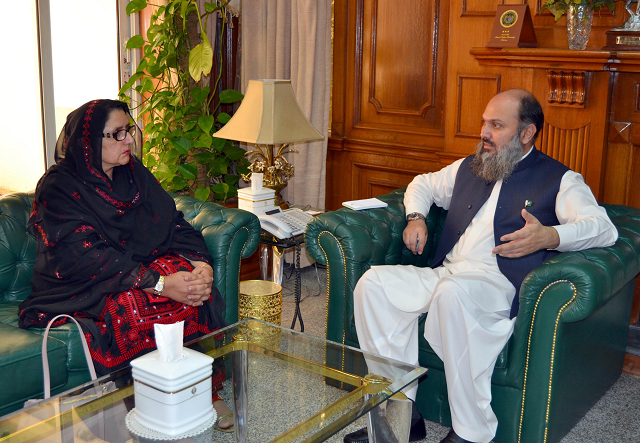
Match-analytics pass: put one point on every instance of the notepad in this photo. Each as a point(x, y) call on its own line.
point(367, 203)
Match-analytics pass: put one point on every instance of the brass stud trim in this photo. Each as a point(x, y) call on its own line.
point(344, 265)
point(526, 367)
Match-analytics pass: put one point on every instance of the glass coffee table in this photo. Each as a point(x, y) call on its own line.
point(286, 387)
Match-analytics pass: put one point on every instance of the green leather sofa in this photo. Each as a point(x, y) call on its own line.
point(231, 234)
point(570, 335)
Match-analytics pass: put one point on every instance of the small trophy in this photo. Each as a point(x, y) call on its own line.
point(626, 37)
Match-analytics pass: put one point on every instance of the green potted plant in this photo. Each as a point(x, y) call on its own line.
point(579, 17)
point(180, 102)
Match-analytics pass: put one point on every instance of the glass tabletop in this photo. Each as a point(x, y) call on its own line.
point(286, 387)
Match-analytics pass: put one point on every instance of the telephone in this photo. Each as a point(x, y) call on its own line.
point(284, 224)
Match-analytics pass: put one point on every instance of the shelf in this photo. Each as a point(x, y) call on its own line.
point(558, 59)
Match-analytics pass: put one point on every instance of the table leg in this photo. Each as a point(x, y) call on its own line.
point(277, 265)
point(264, 261)
point(239, 373)
point(390, 422)
point(298, 291)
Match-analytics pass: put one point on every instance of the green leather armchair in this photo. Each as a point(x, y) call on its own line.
point(570, 335)
point(230, 234)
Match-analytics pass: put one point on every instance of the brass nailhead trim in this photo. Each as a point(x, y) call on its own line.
point(239, 256)
point(344, 265)
point(526, 367)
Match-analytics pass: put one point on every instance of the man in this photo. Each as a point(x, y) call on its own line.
point(510, 209)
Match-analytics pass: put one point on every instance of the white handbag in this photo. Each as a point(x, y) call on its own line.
point(58, 419)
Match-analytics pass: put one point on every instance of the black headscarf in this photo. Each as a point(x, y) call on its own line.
point(96, 235)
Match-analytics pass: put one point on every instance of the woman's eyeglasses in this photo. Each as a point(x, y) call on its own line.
point(121, 134)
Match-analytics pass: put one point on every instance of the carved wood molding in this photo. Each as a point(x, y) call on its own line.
point(568, 146)
point(620, 132)
point(567, 88)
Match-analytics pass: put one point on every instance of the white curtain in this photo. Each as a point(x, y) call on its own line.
point(291, 39)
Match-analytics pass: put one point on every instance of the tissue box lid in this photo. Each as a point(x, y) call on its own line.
point(171, 376)
point(250, 194)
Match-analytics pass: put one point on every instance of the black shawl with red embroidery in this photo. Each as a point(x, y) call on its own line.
point(96, 235)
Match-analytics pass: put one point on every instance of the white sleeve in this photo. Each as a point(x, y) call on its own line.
point(434, 187)
point(584, 224)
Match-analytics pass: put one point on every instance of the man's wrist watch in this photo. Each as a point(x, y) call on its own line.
point(415, 216)
point(157, 291)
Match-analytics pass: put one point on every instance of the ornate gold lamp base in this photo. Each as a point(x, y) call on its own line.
point(275, 167)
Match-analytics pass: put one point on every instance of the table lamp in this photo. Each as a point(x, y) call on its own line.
point(270, 118)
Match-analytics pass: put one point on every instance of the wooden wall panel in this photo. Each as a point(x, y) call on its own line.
point(385, 100)
point(474, 92)
point(372, 181)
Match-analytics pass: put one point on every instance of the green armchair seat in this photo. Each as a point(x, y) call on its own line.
point(230, 234)
point(570, 335)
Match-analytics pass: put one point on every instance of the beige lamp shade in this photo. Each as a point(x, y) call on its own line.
point(269, 115)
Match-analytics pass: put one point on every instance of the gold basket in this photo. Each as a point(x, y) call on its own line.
point(260, 299)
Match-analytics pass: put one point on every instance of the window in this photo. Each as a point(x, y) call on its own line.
point(59, 54)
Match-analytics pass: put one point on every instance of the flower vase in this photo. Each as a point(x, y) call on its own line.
point(579, 19)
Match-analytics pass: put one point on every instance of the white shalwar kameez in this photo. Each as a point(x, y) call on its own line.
point(468, 298)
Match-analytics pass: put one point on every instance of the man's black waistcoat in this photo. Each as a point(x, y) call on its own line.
point(536, 180)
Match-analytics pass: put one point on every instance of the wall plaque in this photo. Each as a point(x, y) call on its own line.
point(513, 28)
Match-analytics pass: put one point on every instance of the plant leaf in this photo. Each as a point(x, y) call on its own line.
point(135, 42)
point(204, 141)
point(223, 118)
point(182, 145)
point(203, 157)
point(135, 6)
point(231, 179)
point(218, 143)
point(220, 190)
point(200, 94)
point(179, 183)
point(206, 123)
point(202, 193)
point(201, 59)
point(150, 161)
point(220, 165)
point(230, 96)
point(234, 152)
point(189, 171)
point(210, 7)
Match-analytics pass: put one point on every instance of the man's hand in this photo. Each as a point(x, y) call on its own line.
point(415, 236)
point(531, 238)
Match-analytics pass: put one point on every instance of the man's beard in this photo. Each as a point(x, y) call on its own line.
point(500, 164)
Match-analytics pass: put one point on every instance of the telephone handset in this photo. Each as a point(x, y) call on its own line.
point(285, 224)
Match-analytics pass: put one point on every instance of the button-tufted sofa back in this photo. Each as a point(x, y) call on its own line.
point(17, 247)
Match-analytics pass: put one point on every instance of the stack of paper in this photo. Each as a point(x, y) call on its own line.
point(367, 203)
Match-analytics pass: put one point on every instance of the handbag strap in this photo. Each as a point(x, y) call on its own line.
point(45, 357)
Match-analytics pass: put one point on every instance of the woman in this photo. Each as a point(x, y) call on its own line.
point(113, 250)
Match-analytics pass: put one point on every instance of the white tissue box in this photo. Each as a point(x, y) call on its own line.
point(256, 201)
point(173, 397)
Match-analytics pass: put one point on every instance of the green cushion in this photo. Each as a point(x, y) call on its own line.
point(21, 365)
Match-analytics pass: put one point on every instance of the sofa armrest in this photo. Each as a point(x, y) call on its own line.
point(572, 328)
point(231, 234)
point(580, 283)
point(350, 242)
